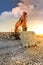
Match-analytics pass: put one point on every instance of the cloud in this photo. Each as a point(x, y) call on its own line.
point(19, 10)
point(39, 3)
point(8, 19)
point(37, 10)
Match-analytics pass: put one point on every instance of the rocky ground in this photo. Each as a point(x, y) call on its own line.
point(23, 56)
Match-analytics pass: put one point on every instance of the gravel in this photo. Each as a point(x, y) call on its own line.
point(23, 56)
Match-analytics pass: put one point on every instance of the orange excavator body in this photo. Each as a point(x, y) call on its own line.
point(22, 22)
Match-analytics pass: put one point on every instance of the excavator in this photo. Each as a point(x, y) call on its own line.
point(22, 22)
point(28, 38)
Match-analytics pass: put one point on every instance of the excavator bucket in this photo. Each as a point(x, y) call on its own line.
point(28, 38)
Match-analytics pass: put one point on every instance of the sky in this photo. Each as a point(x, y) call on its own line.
point(11, 11)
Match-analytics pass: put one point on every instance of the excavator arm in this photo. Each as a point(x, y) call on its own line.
point(22, 22)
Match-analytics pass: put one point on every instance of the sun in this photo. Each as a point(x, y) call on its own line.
point(39, 30)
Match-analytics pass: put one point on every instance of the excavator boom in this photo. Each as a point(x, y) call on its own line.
point(22, 22)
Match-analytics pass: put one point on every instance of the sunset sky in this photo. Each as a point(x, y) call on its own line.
point(11, 11)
